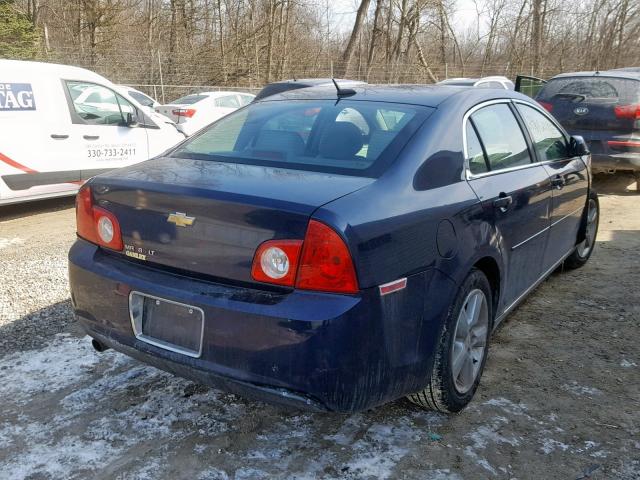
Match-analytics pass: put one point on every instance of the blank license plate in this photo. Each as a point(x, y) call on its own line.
point(171, 325)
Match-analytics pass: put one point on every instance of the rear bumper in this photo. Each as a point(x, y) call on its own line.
point(619, 161)
point(312, 350)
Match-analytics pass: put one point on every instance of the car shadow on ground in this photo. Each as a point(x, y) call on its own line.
point(620, 183)
point(27, 209)
point(35, 329)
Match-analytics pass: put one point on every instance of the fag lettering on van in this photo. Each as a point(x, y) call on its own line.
point(16, 96)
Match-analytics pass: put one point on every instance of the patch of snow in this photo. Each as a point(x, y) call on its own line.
point(63, 362)
point(549, 445)
point(444, 474)
point(348, 430)
point(381, 447)
point(483, 462)
point(581, 390)
point(213, 474)
point(508, 406)
point(59, 459)
point(485, 434)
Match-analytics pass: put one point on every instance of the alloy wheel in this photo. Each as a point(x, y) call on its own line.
point(470, 340)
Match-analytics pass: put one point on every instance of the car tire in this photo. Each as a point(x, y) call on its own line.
point(447, 391)
point(584, 248)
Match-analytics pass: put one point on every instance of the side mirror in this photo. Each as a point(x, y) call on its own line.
point(578, 146)
point(132, 120)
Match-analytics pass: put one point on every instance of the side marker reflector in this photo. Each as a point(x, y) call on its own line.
point(394, 286)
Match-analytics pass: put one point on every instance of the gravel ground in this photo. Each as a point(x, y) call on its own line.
point(559, 399)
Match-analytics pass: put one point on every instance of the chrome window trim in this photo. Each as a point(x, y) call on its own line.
point(467, 172)
point(137, 327)
point(465, 119)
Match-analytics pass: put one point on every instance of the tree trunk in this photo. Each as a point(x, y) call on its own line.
point(374, 36)
point(343, 67)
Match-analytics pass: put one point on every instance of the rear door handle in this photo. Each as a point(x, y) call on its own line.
point(91, 137)
point(503, 202)
point(558, 182)
point(56, 136)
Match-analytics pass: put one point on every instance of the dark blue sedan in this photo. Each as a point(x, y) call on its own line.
point(335, 249)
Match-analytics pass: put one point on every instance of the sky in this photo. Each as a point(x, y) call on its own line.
point(343, 14)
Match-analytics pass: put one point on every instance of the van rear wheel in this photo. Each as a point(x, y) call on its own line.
point(462, 350)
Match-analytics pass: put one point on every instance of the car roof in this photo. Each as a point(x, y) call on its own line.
point(219, 93)
point(633, 75)
point(40, 69)
point(310, 82)
point(425, 95)
point(472, 81)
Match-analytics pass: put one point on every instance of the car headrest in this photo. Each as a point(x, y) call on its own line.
point(341, 141)
point(289, 143)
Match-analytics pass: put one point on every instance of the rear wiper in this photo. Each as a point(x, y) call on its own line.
point(575, 97)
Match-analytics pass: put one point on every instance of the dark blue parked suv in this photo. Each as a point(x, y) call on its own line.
point(335, 249)
point(602, 107)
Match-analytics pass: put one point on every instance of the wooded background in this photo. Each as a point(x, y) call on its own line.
point(247, 43)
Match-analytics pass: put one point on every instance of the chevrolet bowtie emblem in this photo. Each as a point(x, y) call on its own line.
point(181, 219)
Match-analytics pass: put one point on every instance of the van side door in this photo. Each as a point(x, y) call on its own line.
point(101, 135)
point(569, 178)
point(515, 192)
point(35, 155)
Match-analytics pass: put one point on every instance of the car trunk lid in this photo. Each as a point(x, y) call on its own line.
point(208, 218)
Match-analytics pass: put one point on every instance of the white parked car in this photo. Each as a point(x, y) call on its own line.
point(61, 125)
point(149, 103)
point(195, 111)
point(495, 81)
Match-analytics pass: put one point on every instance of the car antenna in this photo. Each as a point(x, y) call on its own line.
point(343, 92)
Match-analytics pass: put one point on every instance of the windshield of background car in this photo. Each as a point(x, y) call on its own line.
point(620, 90)
point(347, 137)
point(189, 99)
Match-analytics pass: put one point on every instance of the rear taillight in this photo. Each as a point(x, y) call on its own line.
point(184, 112)
point(628, 112)
point(546, 105)
point(321, 262)
point(276, 261)
point(95, 224)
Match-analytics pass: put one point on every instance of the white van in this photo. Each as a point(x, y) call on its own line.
point(61, 125)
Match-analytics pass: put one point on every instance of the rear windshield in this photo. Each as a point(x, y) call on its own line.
point(348, 137)
point(620, 90)
point(141, 98)
point(189, 99)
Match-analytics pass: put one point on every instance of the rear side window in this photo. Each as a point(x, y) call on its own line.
point(350, 137)
point(549, 142)
point(189, 99)
point(619, 90)
point(501, 136)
